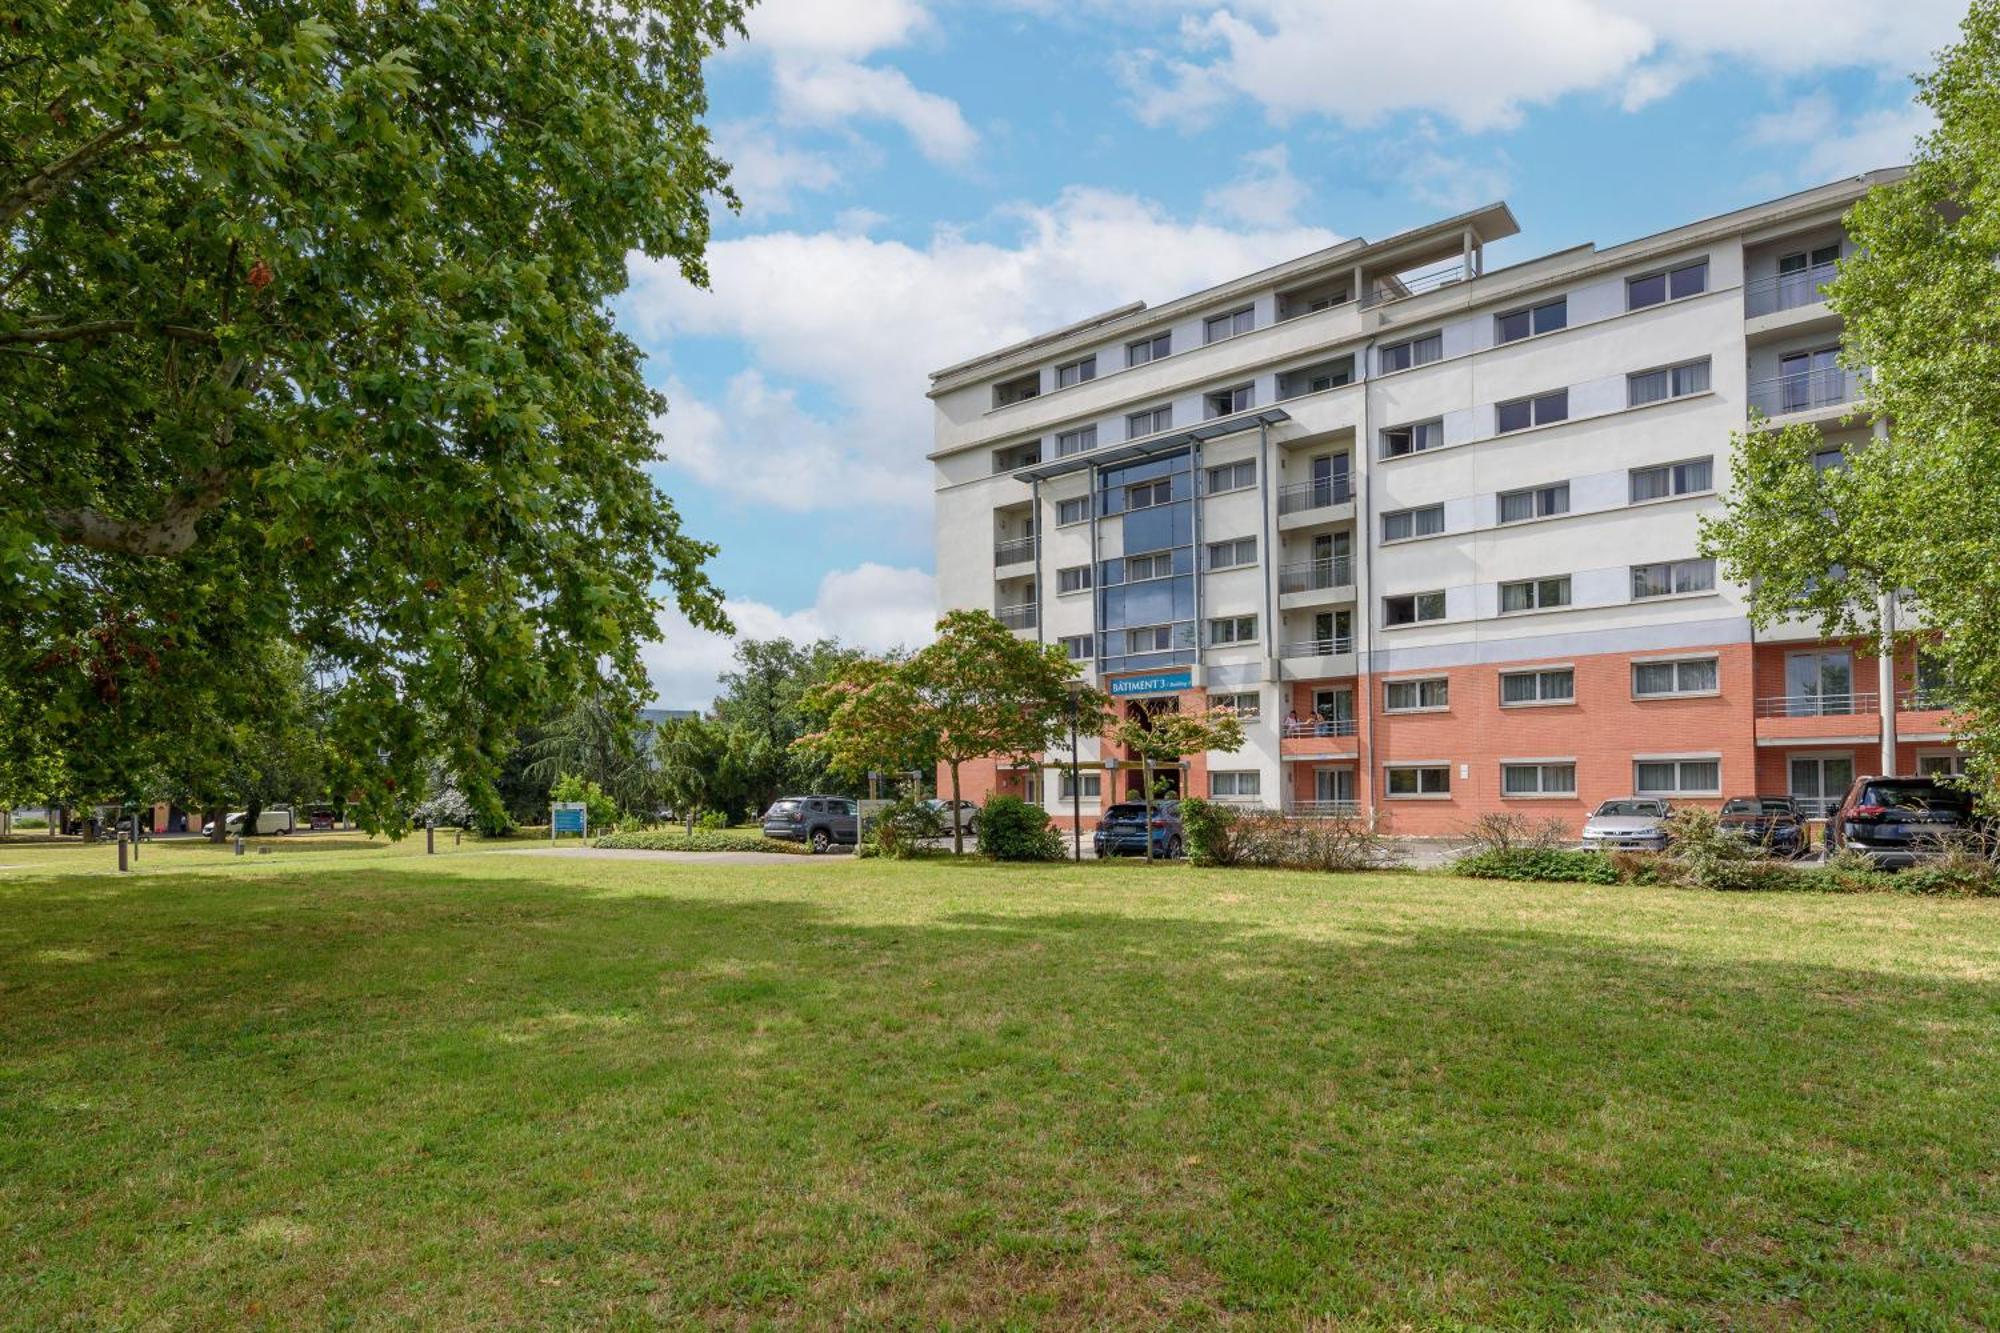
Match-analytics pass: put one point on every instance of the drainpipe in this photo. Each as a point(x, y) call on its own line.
point(1364, 639)
point(1194, 489)
point(1096, 586)
point(1035, 517)
point(1267, 498)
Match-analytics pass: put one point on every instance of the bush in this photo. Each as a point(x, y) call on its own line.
point(900, 831)
point(1012, 830)
point(32, 821)
point(1221, 835)
point(599, 810)
point(701, 840)
point(1512, 832)
point(1964, 871)
point(1641, 867)
point(714, 820)
point(1209, 832)
point(1557, 865)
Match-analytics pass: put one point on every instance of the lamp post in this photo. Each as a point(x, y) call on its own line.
point(1076, 688)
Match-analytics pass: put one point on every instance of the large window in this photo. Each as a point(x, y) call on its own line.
point(1232, 476)
point(1544, 318)
point(1412, 608)
point(1148, 349)
point(1653, 386)
point(1666, 578)
point(1521, 413)
point(1076, 578)
point(1412, 439)
point(1549, 685)
point(1149, 639)
point(1238, 786)
point(1700, 776)
point(1151, 565)
point(1534, 502)
point(1150, 421)
point(1217, 327)
point(1092, 785)
point(1544, 778)
point(1232, 554)
point(1232, 629)
point(1081, 440)
point(1417, 779)
point(1150, 494)
point(1416, 696)
point(1410, 352)
point(1696, 476)
point(1248, 706)
point(1534, 594)
point(1224, 402)
point(1077, 647)
point(1666, 680)
point(1076, 372)
point(1404, 524)
point(1071, 512)
point(1666, 285)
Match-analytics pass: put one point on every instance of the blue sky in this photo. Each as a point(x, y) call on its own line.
point(925, 179)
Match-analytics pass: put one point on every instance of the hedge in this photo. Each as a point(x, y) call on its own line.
point(702, 840)
point(1546, 864)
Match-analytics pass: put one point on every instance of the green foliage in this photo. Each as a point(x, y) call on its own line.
point(1222, 835)
point(903, 830)
point(701, 840)
point(599, 809)
point(1208, 829)
point(1961, 872)
point(714, 819)
point(1010, 829)
point(1545, 864)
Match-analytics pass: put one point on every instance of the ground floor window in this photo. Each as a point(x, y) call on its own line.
point(1539, 778)
point(1417, 779)
point(1818, 781)
point(1700, 776)
point(1941, 764)
point(1092, 785)
point(1236, 785)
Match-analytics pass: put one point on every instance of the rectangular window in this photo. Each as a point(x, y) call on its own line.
point(1534, 502)
point(1404, 524)
point(1677, 777)
point(1217, 327)
point(1522, 413)
point(1534, 594)
point(1410, 352)
point(1224, 402)
point(1078, 647)
point(1152, 565)
point(1232, 554)
point(1693, 477)
point(1654, 386)
point(1150, 421)
point(1666, 578)
point(1076, 372)
point(1239, 786)
point(1081, 440)
point(1413, 608)
point(1546, 779)
point(1553, 685)
point(1666, 285)
point(1148, 349)
point(1664, 680)
point(1092, 785)
point(1416, 696)
point(1418, 780)
point(1072, 512)
point(1150, 494)
point(1414, 439)
point(1232, 629)
point(1232, 477)
point(1248, 706)
point(1076, 578)
point(1151, 639)
point(1518, 324)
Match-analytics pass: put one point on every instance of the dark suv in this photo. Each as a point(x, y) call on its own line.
point(1899, 821)
point(819, 821)
point(1122, 830)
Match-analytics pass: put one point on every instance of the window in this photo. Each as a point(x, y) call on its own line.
point(1666, 285)
point(1074, 579)
point(1232, 629)
point(1416, 696)
point(1092, 785)
point(1552, 685)
point(1693, 477)
point(1540, 410)
point(1411, 352)
point(1677, 777)
point(1664, 680)
point(1238, 786)
point(1151, 639)
point(1410, 608)
point(1830, 460)
point(1404, 524)
point(1656, 386)
point(1017, 390)
point(1418, 780)
point(1535, 502)
point(1217, 327)
point(1248, 706)
point(1150, 494)
point(1078, 647)
point(1534, 594)
point(1148, 349)
point(1151, 420)
point(1223, 402)
point(1540, 779)
point(1669, 577)
point(1070, 512)
point(1232, 477)
point(1153, 565)
point(1400, 440)
point(1545, 318)
point(1232, 554)
point(1080, 440)
point(1941, 765)
point(1076, 372)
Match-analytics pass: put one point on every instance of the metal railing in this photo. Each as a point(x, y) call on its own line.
point(1324, 809)
point(1787, 291)
point(1017, 617)
point(1319, 494)
point(1314, 575)
point(1305, 727)
point(1817, 807)
point(1014, 552)
point(1399, 286)
point(1319, 647)
point(1804, 391)
point(1817, 705)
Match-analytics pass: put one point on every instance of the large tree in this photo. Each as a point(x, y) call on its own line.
point(1918, 508)
point(766, 706)
point(305, 337)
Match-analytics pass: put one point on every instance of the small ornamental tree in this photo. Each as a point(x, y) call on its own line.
point(1164, 738)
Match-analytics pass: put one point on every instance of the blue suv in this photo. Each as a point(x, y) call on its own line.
point(1122, 830)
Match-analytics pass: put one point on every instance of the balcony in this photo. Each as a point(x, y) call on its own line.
point(1804, 391)
point(1926, 700)
point(1787, 291)
point(1817, 705)
point(1020, 551)
point(1317, 659)
point(1017, 617)
point(1316, 583)
point(1381, 291)
point(1817, 717)
point(1316, 727)
point(1321, 494)
point(1318, 647)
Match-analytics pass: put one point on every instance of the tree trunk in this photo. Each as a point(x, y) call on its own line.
point(251, 811)
point(1146, 795)
point(957, 824)
point(218, 817)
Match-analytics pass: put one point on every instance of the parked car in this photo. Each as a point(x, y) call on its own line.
point(1627, 823)
point(268, 821)
point(1122, 830)
point(1898, 821)
point(320, 818)
point(1773, 823)
point(820, 822)
point(967, 814)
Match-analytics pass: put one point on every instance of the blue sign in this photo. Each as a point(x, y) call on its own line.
point(567, 819)
point(1160, 682)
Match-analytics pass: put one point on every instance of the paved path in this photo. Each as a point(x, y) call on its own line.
point(633, 854)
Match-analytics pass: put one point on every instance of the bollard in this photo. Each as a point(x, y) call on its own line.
point(457, 835)
point(239, 844)
point(122, 866)
point(430, 840)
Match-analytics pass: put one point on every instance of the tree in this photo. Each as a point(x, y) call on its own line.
point(690, 756)
point(765, 705)
point(596, 738)
point(1918, 508)
point(305, 338)
point(1166, 736)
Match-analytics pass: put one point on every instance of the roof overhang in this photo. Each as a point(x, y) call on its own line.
point(1152, 446)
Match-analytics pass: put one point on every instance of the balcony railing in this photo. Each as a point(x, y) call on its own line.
point(1817, 807)
point(1787, 291)
point(1323, 809)
point(1017, 617)
point(1382, 291)
point(1315, 494)
point(1014, 552)
point(1319, 647)
point(1923, 700)
point(1804, 391)
point(1817, 705)
point(1314, 575)
point(1306, 727)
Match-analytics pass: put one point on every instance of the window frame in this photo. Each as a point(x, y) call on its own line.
point(1237, 638)
point(1410, 429)
point(1418, 683)
point(1152, 416)
point(1416, 600)
point(1088, 641)
point(1088, 580)
point(1411, 514)
point(1673, 570)
point(1679, 762)
point(1236, 776)
point(1166, 629)
point(1083, 500)
point(1152, 559)
point(1535, 495)
point(1236, 468)
point(1085, 366)
point(1150, 488)
point(1531, 311)
point(1390, 793)
point(1533, 404)
point(1536, 587)
point(1233, 702)
point(1077, 433)
point(1411, 345)
point(1248, 393)
point(1154, 350)
point(1712, 660)
point(1666, 273)
point(1090, 780)
point(1541, 700)
point(1235, 319)
point(1672, 470)
point(1542, 791)
point(1237, 542)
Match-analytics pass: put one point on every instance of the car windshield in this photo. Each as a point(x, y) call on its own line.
point(1631, 810)
point(1750, 805)
point(1923, 796)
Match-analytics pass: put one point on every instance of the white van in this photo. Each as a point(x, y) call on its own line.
point(268, 821)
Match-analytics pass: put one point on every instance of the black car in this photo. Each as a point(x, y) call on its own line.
point(1773, 823)
point(1122, 830)
point(1899, 821)
point(821, 822)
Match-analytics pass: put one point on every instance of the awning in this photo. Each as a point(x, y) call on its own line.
point(1151, 445)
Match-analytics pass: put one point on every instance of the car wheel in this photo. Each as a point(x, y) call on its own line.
point(972, 827)
point(821, 840)
point(1173, 849)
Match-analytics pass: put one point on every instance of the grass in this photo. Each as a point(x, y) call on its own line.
point(350, 1084)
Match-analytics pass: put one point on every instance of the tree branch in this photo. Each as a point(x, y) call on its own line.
point(45, 182)
point(169, 534)
point(99, 327)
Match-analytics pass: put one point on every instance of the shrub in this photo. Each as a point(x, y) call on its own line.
point(1556, 865)
point(1963, 871)
point(1012, 830)
point(600, 810)
point(1209, 831)
point(32, 821)
point(1641, 867)
point(901, 830)
point(1337, 843)
point(714, 820)
point(701, 840)
point(1511, 832)
point(1220, 835)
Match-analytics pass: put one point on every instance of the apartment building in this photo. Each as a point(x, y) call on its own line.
point(1429, 526)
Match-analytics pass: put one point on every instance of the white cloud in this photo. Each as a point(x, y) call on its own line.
point(844, 29)
point(1817, 141)
point(767, 173)
point(834, 92)
point(1267, 194)
point(877, 607)
point(1448, 183)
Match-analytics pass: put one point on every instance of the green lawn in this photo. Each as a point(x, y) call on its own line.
point(344, 1084)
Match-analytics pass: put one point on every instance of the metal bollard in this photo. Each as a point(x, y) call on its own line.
point(430, 840)
point(239, 844)
point(457, 835)
point(122, 866)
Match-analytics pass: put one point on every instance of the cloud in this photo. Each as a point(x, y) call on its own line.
point(871, 606)
point(767, 173)
point(1447, 182)
point(835, 92)
point(1267, 194)
point(859, 322)
point(840, 29)
point(1820, 141)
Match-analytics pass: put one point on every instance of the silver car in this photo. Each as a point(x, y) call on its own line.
point(1627, 823)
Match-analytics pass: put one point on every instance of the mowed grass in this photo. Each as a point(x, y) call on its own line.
point(354, 1085)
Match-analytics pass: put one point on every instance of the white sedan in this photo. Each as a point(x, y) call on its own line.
point(967, 814)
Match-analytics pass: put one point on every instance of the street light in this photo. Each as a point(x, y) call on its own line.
point(1076, 687)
